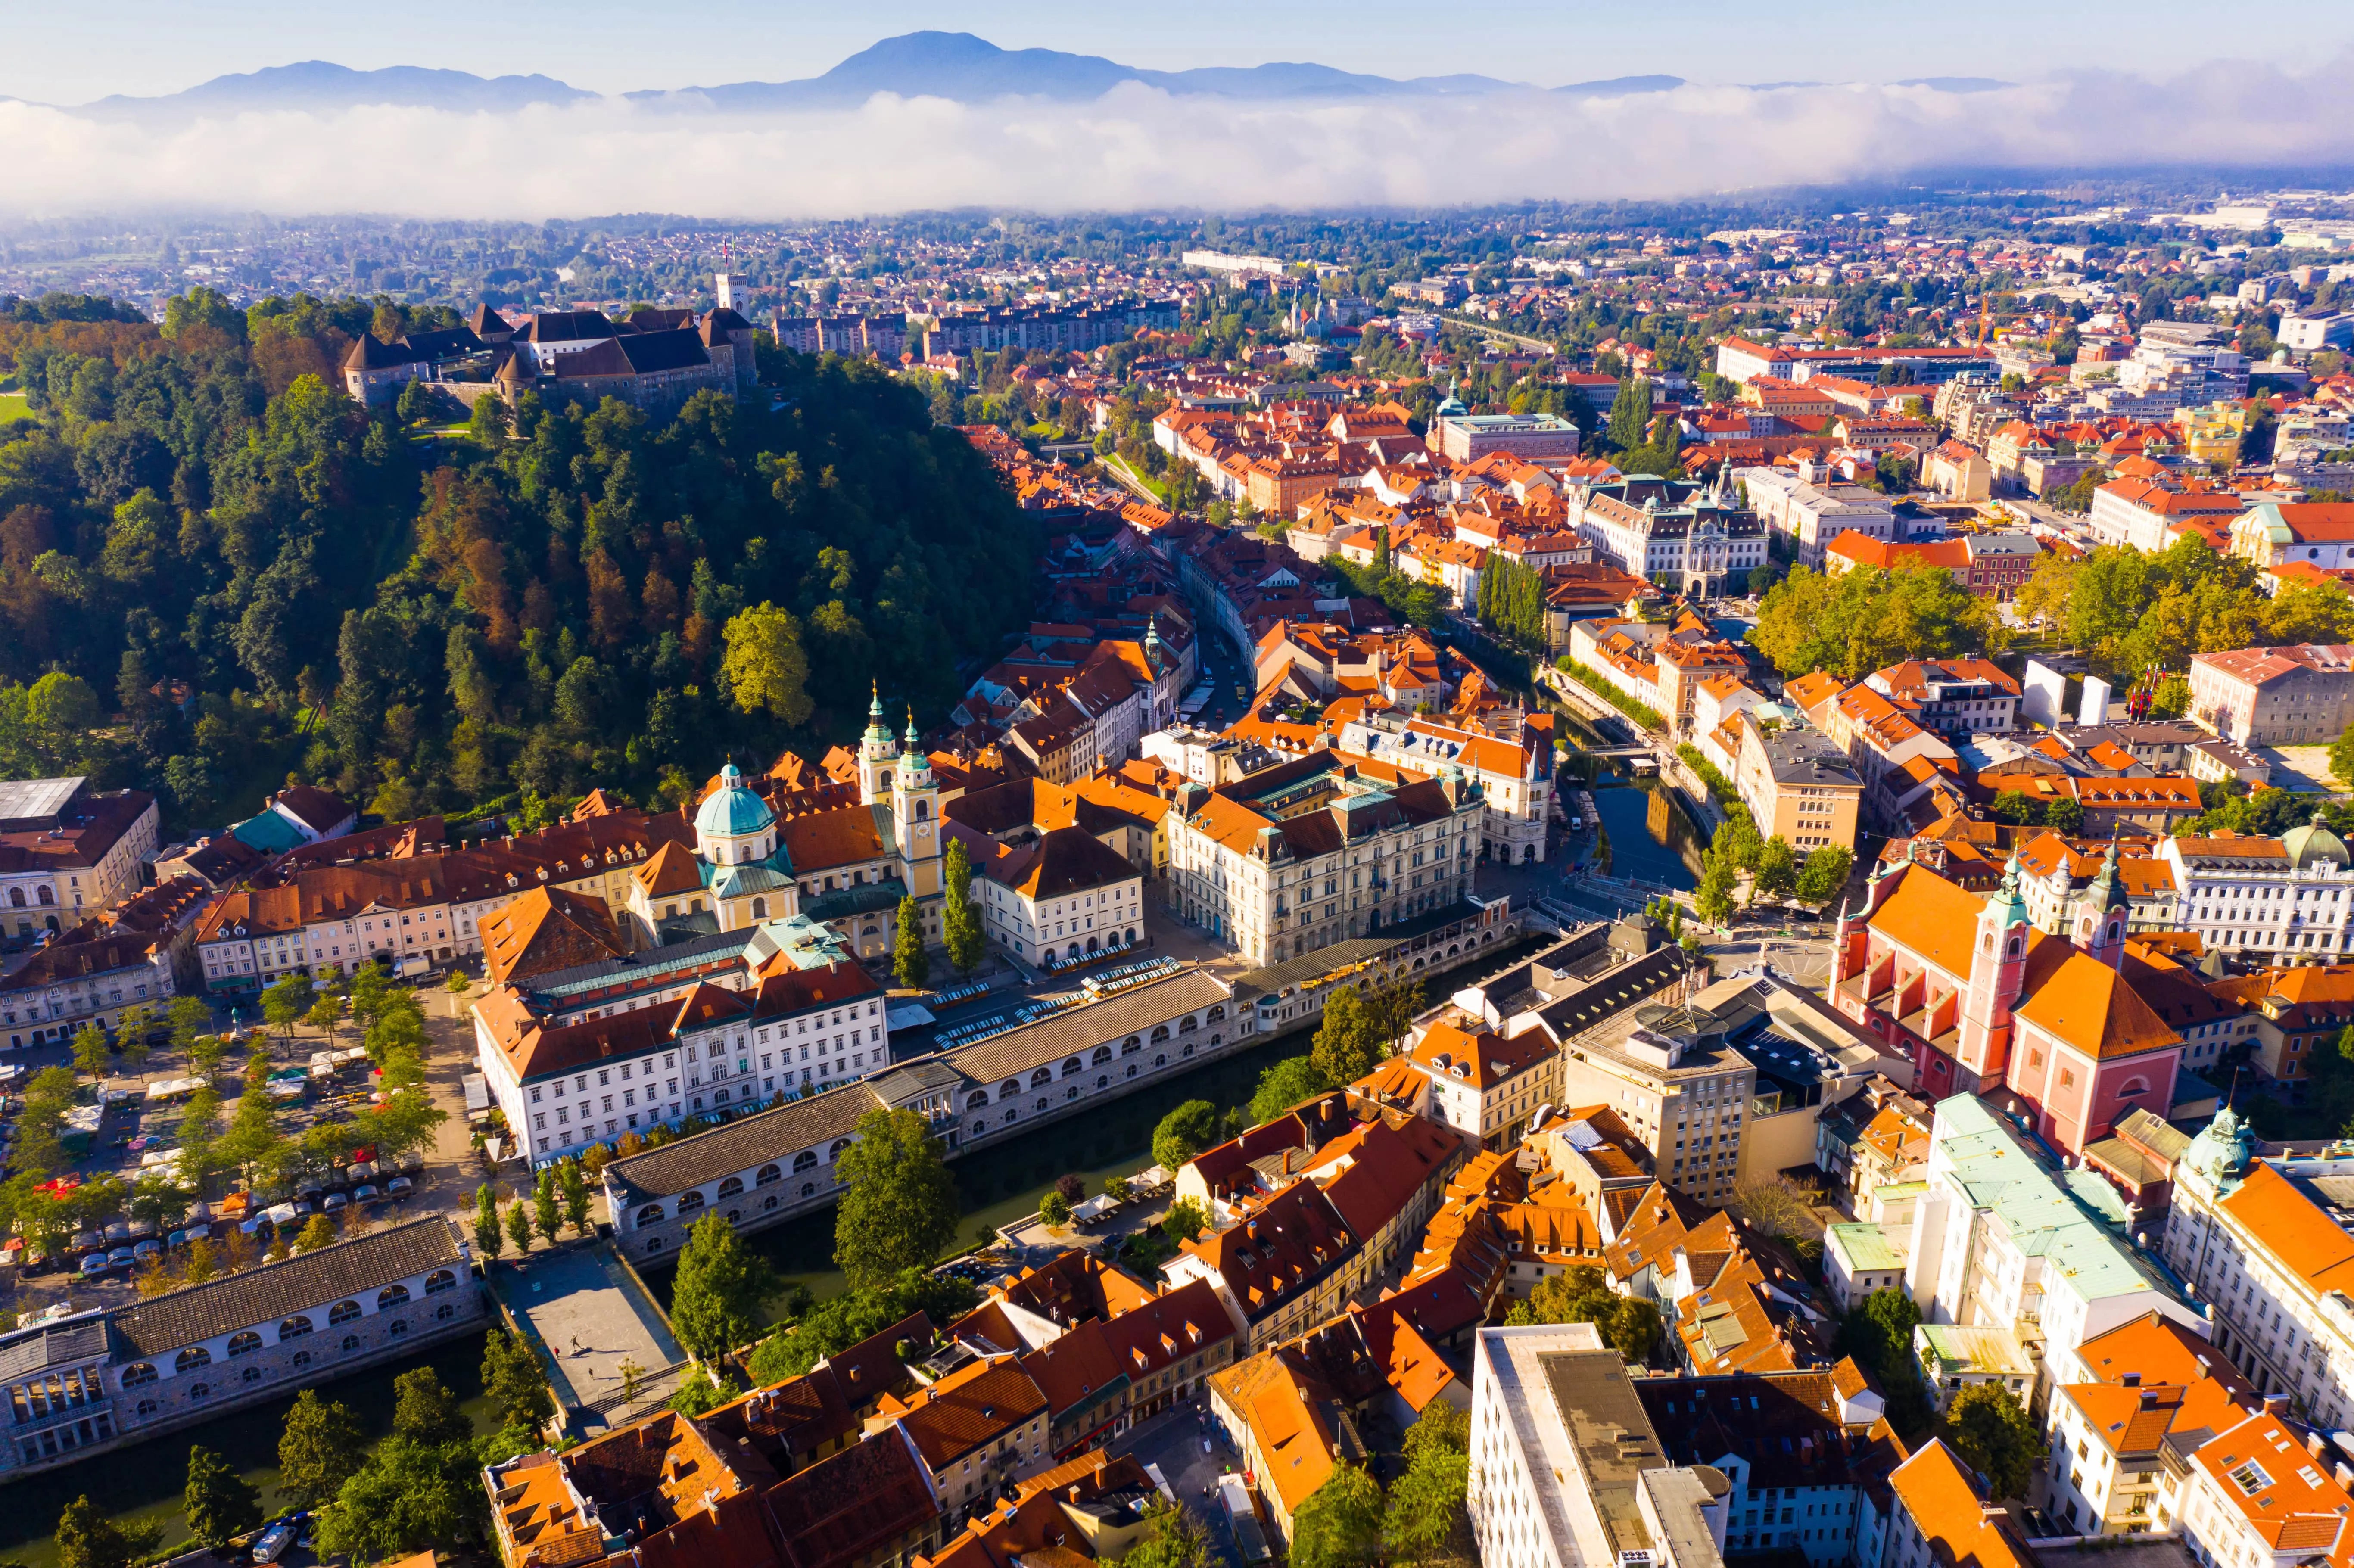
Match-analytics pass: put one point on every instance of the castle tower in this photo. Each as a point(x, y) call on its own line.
point(2103, 914)
point(875, 754)
point(915, 817)
point(1998, 973)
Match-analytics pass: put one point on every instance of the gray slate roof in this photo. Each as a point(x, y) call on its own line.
point(773, 1135)
point(76, 1343)
point(1048, 1041)
point(307, 1282)
point(742, 1145)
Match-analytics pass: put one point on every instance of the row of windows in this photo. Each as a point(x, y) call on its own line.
point(248, 1340)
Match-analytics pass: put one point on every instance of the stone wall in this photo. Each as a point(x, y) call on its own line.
point(276, 1370)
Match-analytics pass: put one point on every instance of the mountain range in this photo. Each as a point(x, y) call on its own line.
point(957, 66)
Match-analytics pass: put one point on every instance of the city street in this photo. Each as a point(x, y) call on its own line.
point(1192, 1452)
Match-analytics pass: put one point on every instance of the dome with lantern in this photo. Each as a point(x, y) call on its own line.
point(734, 825)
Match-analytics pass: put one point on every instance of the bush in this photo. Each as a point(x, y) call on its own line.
point(1710, 774)
point(1593, 682)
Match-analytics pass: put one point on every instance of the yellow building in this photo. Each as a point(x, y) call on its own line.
point(1797, 785)
point(2212, 434)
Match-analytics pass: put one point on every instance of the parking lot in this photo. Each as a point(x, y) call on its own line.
point(135, 1136)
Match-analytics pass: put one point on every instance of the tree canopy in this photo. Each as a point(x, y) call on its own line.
point(717, 1292)
point(900, 1208)
point(583, 598)
point(1861, 620)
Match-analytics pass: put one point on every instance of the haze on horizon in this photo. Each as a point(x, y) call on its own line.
point(154, 46)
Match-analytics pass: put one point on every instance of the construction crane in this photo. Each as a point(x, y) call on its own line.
point(1986, 319)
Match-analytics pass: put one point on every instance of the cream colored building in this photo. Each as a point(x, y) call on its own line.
point(1798, 786)
point(1305, 854)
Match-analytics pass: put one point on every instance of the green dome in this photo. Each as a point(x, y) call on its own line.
point(733, 810)
point(2313, 845)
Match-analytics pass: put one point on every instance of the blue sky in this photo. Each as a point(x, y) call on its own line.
point(160, 46)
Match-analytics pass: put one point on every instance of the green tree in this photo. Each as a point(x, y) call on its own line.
point(515, 1382)
point(409, 1497)
point(547, 1204)
point(1630, 414)
point(1824, 874)
point(718, 1289)
point(189, 1017)
point(1174, 1538)
point(87, 1537)
point(911, 965)
point(699, 1394)
point(855, 1316)
point(1712, 900)
point(288, 1002)
point(960, 919)
point(1185, 1220)
point(765, 669)
point(90, 1056)
point(1183, 1133)
point(131, 1038)
point(425, 1410)
point(2341, 757)
point(319, 1448)
point(519, 1228)
point(327, 1014)
point(488, 1236)
point(1285, 1084)
point(573, 1184)
point(900, 1206)
point(218, 1504)
point(1992, 1435)
point(1777, 869)
point(1341, 1525)
point(1053, 1210)
point(1348, 1038)
point(1426, 1521)
point(320, 1231)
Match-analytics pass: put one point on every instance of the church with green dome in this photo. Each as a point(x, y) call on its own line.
point(841, 852)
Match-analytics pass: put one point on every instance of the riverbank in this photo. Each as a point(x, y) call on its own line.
point(145, 1481)
point(1005, 1181)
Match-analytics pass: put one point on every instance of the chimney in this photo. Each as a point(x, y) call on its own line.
point(2319, 1447)
point(2277, 1404)
point(2345, 1474)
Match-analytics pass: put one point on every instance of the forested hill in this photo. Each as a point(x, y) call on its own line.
point(454, 617)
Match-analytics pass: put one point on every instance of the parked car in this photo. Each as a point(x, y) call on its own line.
point(309, 1187)
point(142, 1228)
point(120, 1259)
point(143, 1250)
point(363, 1170)
point(365, 1193)
point(333, 1201)
point(88, 1241)
point(176, 1240)
point(400, 1187)
point(93, 1266)
point(273, 1540)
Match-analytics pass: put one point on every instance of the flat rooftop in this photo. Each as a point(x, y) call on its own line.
point(1612, 1434)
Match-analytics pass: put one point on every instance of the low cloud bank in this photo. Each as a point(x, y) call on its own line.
point(1137, 147)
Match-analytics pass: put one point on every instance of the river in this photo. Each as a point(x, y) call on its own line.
point(1651, 836)
point(1005, 1181)
point(144, 1481)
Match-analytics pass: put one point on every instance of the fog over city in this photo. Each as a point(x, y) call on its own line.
point(1136, 145)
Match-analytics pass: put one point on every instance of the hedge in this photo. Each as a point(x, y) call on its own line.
point(1593, 682)
point(1718, 784)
